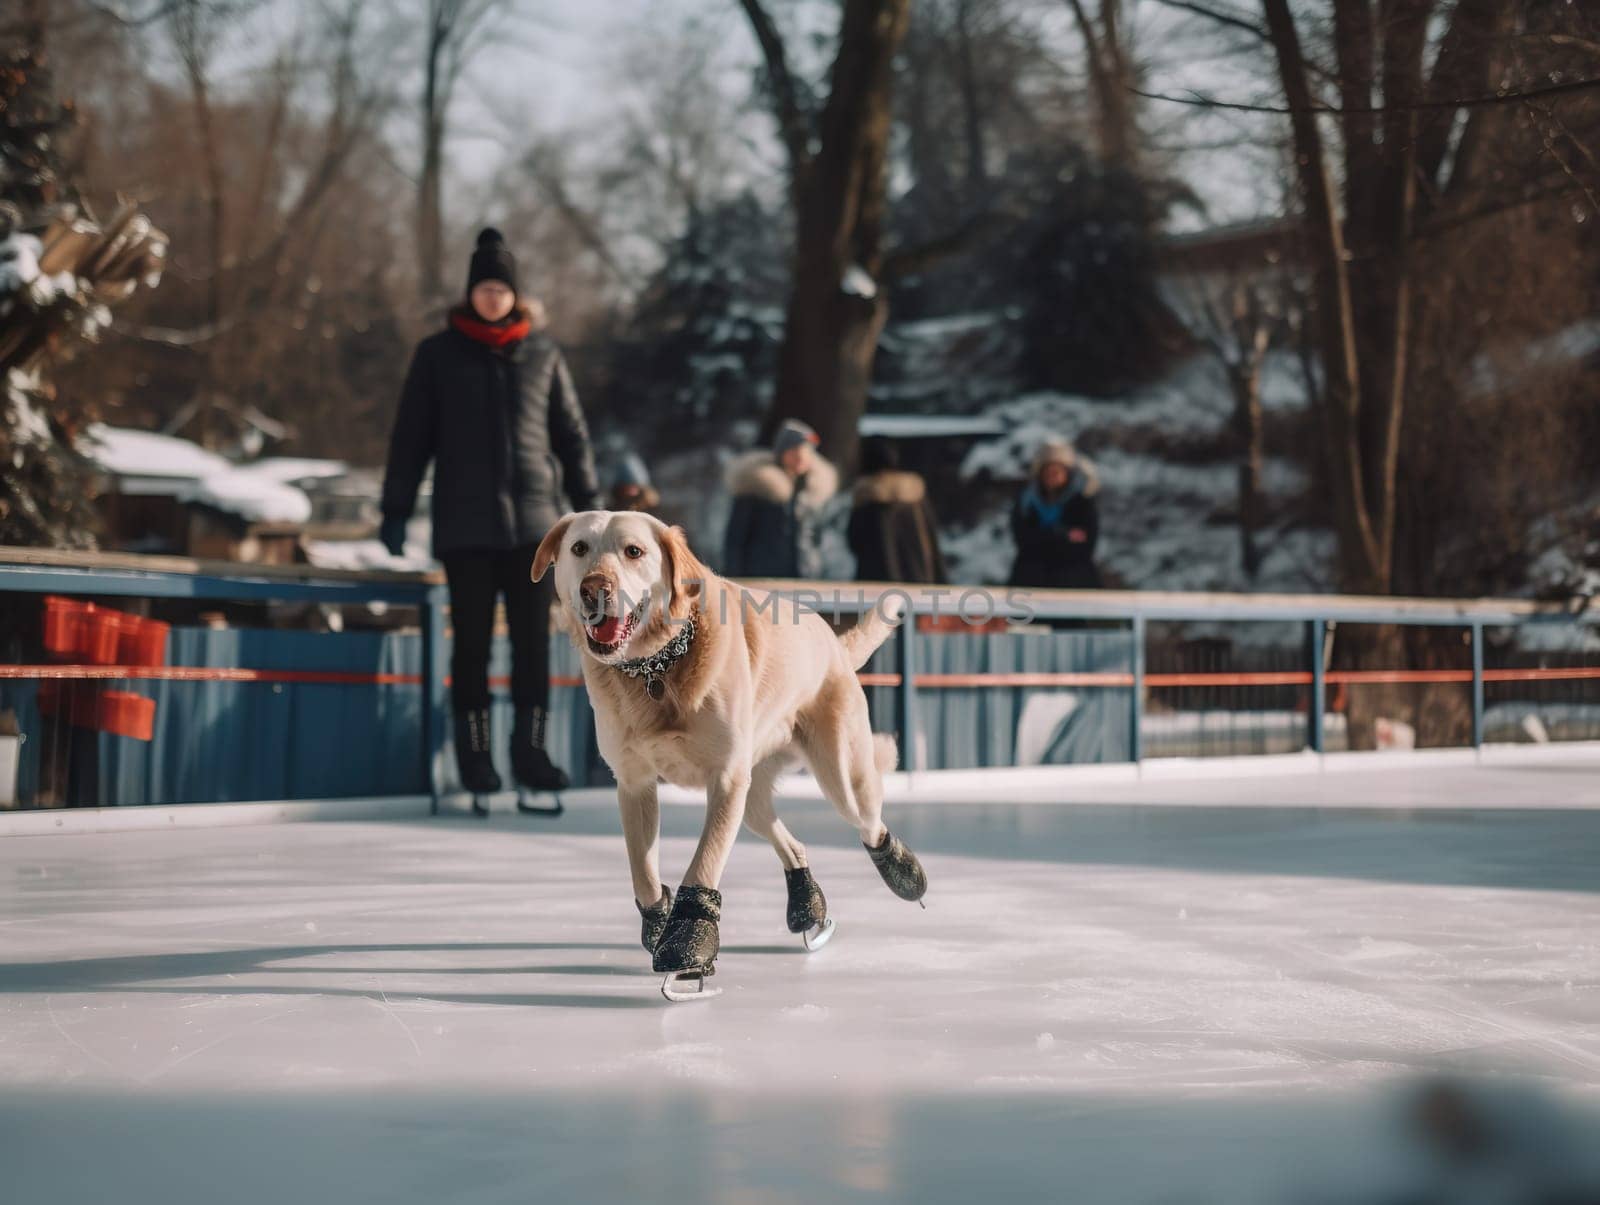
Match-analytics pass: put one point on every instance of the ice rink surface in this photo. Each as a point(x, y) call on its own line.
point(1143, 992)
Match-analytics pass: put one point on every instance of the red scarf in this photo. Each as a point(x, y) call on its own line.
point(512, 329)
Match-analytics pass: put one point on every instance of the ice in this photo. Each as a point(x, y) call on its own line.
point(1128, 991)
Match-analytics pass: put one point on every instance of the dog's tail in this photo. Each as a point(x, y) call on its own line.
point(885, 751)
point(861, 641)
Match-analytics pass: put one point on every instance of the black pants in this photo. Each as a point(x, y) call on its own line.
point(475, 578)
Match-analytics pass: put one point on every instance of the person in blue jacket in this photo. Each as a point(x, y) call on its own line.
point(1056, 522)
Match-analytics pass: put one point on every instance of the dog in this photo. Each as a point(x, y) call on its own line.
point(702, 683)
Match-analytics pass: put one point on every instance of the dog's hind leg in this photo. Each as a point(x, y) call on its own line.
point(807, 911)
point(843, 755)
point(847, 759)
point(761, 818)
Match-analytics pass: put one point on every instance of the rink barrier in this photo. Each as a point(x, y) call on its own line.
point(1135, 610)
point(119, 575)
point(29, 571)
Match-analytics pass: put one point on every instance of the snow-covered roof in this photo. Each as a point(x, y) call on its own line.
point(929, 426)
point(149, 463)
point(251, 496)
point(129, 453)
point(290, 469)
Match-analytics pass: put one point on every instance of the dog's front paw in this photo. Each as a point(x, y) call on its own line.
point(691, 940)
point(653, 920)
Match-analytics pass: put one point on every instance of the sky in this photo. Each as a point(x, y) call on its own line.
point(555, 67)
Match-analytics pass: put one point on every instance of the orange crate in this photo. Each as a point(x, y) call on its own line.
point(126, 714)
point(82, 705)
point(955, 624)
point(64, 619)
point(143, 641)
point(102, 636)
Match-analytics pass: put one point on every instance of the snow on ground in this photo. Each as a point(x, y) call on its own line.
point(1144, 993)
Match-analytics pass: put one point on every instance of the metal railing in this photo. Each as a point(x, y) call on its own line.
point(903, 668)
point(1135, 611)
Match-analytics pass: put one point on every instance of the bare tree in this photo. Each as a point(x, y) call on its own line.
point(1411, 153)
point(454, 31)
point(1234, 313)
point(1112, 80)
point(838, 186)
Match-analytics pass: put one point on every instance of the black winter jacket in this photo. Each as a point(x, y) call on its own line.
point(893, 532)
point(774, 530)
point(506, 436)
point(1047, 555)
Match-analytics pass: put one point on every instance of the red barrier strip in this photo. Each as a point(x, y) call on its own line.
point(1264, 678)
point(1023, 678)
point(181, 673)
point(1540, 675)
point(197, 673)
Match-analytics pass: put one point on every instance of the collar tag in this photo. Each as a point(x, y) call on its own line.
point(653, 669)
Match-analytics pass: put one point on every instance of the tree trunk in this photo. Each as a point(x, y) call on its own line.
point(1111, 78)
point(830, 341)
point(1250, 430)
point(430, 206)
point(837, 308)
point(1361, 563)
point(191, 48)
point(971, 107)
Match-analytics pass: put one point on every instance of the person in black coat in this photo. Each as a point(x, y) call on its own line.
point(490, 402)
point(893, 531)
point(1056, 522)
point(774, 527)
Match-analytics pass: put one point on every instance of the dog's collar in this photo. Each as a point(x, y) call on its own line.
point(654, 667)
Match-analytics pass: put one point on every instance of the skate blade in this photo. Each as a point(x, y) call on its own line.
point(676, 987)
point(818, 935)
point(527, 808)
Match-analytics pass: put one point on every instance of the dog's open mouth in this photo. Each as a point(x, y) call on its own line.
point(610, 632)
point(607, 636)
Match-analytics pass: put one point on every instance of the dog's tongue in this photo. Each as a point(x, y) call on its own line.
point(607, 630)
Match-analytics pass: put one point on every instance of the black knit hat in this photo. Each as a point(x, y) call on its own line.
point(492, 261)
point(878, 455)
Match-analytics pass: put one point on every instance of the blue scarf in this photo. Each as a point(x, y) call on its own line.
point(1050, 512)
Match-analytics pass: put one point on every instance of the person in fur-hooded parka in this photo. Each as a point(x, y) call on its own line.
point(893, 531)
point(1056, 522)
point(778, 495)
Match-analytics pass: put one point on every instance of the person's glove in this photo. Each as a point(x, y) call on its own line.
point(393, 536)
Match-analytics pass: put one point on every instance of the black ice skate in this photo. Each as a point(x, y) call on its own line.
point(654, 920)
point(532, 768)
point(899, 868)
point(808, 910)
point(688, 949)
point(474, 763)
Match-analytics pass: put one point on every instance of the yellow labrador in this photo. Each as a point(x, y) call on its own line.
point(700, 682)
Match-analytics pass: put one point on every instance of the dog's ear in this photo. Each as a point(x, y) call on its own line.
point(549, 547)
point(687, 573)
